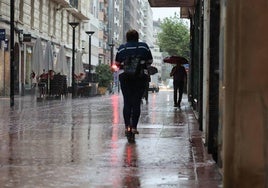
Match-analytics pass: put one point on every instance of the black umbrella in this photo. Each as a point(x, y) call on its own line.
point(152, 70)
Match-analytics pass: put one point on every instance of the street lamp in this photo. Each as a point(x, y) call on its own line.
point(116, 81)
point(89, 33)
point(12, 29)
point(112, 51)
point(73, 25)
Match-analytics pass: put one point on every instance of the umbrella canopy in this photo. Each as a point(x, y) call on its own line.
point(79, 69)
point(152, 70)
point(175, 59)
point(37, 60)
point(61, 63)
point(48, 62)
point(48, 58)
point(78, 64)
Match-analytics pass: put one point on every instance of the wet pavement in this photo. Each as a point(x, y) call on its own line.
point(80, 143)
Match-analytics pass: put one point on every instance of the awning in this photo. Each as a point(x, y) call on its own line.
point(172, 3)
point(61, 63)
point(78, 64)
point(186, 12)
point(48, 58)
point(185, 5)
point(37, 61)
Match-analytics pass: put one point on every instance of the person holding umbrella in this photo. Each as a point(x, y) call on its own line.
point(179, 75)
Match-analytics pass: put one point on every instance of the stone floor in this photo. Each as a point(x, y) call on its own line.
point(80, 143)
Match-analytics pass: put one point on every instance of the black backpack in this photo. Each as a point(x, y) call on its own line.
point(132, 64)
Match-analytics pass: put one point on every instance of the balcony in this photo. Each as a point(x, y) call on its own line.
point(72, 7)
point(78, 14)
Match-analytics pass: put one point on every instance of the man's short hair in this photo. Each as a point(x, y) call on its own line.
point(132, 35)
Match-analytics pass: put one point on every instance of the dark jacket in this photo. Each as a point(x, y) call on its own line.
point(131, 48)
point(179, 73)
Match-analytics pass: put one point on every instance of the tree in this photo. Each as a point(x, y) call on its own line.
point(105, 76)
point(175, 37)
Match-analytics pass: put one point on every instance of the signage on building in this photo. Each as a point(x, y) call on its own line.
point(27, 37)
point(2, 34)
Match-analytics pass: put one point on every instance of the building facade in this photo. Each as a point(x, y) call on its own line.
point(157, 54)
point(49, 22)
point(138, 15)
point(228, 84)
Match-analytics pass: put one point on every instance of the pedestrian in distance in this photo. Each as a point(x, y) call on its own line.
point(179, 75)
point(133, 57)
point(34, 79)
point(146, 92)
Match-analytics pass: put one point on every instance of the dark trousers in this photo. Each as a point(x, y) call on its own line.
point(132, 90)
point(178, 85)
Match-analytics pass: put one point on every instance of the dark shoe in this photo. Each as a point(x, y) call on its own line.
point(134, 131)
point(175, 105)
point(128, 129)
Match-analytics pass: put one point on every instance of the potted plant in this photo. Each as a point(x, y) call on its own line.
point(105, 77)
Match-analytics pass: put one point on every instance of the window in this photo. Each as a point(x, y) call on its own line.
point(40, 15)
point(21, 10)
point(68, 29)
point(49, 17)
point(32, 13)
point(54, 21)
point(62, 20)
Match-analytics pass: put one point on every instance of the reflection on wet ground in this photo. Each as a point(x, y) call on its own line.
point(81, 143)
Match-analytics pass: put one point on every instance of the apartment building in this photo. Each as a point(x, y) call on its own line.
point(148, 23)
point(156, 53)
point(124, 15)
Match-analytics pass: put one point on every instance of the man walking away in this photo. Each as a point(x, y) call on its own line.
point(133, 59)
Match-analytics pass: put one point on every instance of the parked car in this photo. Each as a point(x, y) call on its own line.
point(162, 86)
point(153, 87)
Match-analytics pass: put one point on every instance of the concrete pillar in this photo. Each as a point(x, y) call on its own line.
point(2, 68)
point(7, 73)
point(206, 60)
point(244, 93)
